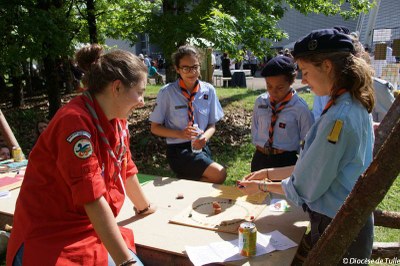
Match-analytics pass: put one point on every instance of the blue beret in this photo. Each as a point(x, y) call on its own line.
point(279, 65)
point(326, 40)
point(342, 29)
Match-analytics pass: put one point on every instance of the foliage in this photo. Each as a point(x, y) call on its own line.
point(235, 24)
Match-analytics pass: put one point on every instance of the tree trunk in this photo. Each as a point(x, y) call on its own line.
point(17, 90)
point(367, 193)
point(52, 84)
point(387, 219)
point(91, 18)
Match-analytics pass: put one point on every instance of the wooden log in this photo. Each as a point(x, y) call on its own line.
point(389, 250)
point(368, 192)
point(387, 219)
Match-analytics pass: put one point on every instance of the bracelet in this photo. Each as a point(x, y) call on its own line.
point(262, 186)
point(141, 211)
point(269, 180)
point(128, 262)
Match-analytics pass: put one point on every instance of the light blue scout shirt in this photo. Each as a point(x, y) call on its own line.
point(325, 173)
point(172, 108)
point(292, 125)
point(384, 98)
point(319, 105)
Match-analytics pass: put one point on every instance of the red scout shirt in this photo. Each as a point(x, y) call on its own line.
point(69, 167)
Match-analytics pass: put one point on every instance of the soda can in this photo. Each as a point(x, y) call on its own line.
point(17, 154)
point(247, 239)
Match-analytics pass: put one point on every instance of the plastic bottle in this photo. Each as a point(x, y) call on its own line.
point(194, 150)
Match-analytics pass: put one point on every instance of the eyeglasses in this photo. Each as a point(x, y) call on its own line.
point(187, 69)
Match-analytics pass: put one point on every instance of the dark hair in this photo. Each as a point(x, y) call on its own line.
point(183, 51)
point(101, 69)
point(350, 72)
point(43, 120)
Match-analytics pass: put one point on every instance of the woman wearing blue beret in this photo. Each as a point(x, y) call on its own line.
point(338, 147)
point(281, 118)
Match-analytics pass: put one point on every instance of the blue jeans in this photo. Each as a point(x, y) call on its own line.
point(18, 258)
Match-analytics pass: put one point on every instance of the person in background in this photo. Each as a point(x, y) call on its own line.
point(281, 119)
point(179, 106)
point(338, 147)
point(153, 73)
point(5, 153)
point(41, 125)
point(225, 66)
point(80, 171)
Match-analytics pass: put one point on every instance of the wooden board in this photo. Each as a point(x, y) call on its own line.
point(233, 212)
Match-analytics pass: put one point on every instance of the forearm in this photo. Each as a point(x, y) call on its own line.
point(279, 173)
point(209, 131)
point(135, 193)
point(165, 132)
point(106, 227)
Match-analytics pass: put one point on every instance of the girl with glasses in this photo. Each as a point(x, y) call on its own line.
point(182, 105)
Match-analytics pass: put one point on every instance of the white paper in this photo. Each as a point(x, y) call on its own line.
point(202, 255)
point(280, 241)
point(229, 250)
point(5, 194)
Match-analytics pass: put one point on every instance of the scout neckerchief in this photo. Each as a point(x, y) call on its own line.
point(275, 112)
point(121, 148)
point(330, 102)
point(190, 97)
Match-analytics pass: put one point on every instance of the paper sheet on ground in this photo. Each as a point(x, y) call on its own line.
point(229, 250)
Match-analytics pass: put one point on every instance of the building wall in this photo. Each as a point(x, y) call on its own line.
point(298, 25)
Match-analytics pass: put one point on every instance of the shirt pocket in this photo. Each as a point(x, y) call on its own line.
point(179, 116)
point(286, 130)
point(263, 119)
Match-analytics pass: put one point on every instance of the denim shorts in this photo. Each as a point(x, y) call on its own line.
point(185, 163)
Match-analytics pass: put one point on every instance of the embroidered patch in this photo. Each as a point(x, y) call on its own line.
point(83, 148)
point(282, 125)
point(263, 106)
point(205, 96)
point(78, 134)
point(180, 107)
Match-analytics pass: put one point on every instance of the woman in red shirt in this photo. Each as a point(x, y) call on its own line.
point(80, 171)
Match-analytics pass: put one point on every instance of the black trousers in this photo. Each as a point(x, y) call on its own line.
point(261, 161)
point(360, 248)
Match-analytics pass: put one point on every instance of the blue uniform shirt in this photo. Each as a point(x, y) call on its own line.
point(292, 125)
point(172, 108)
point(319, 105)
point(325, 173)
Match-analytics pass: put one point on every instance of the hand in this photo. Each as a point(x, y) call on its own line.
point(258, 175)
point(149, 210)
point(249, 187)
point(189, 132)
point(200, 142)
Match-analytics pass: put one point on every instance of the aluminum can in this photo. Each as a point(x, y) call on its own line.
point(17, 154)
point(247, 239)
